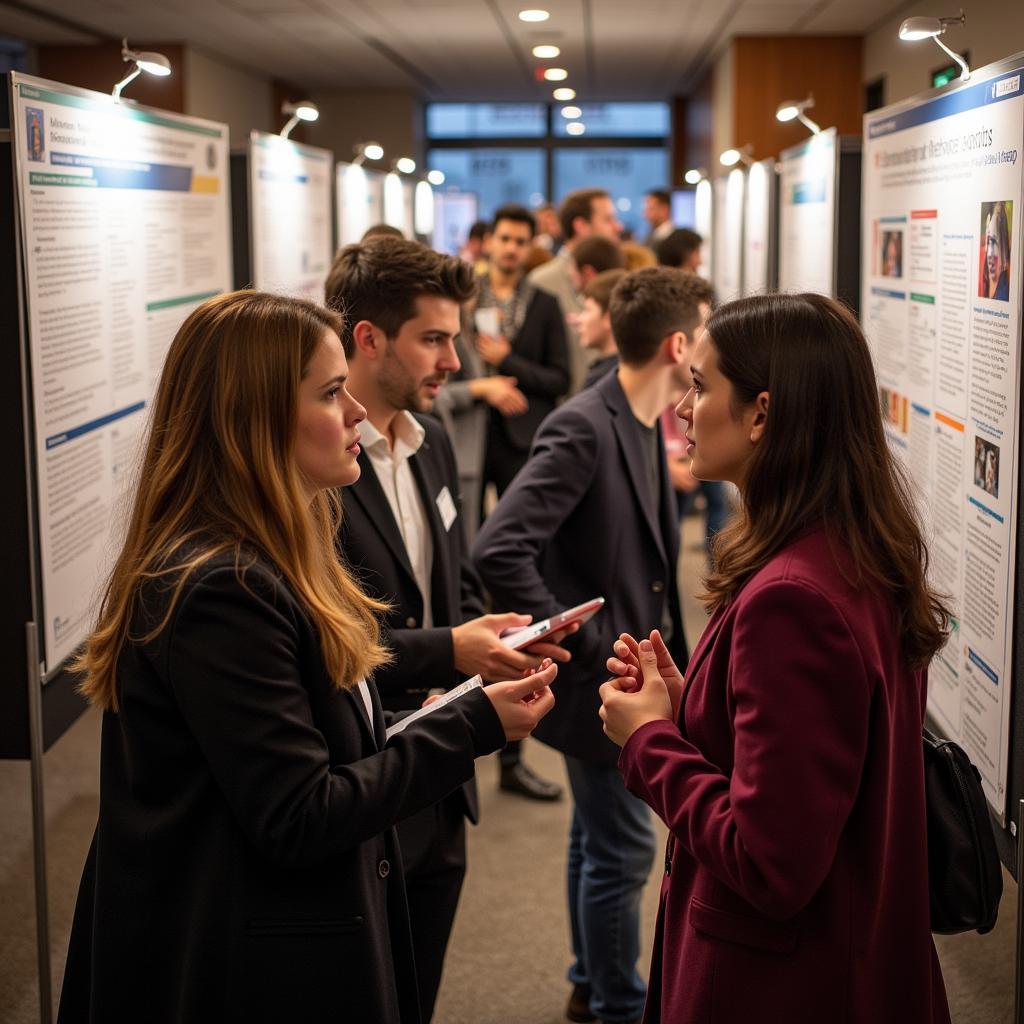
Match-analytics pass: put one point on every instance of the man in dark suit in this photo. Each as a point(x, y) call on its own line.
point(401, 536)
point(595, 496)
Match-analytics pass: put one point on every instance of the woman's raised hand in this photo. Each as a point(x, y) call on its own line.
point(522, 703)
point(623, 710)
point(626, 667)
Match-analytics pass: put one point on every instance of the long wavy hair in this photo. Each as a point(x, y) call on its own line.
point(218, 475)
point(823, 459)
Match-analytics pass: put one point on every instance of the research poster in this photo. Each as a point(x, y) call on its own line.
point(359, 201)
point(290, 215)
point(941, 293)
point(703, 213)
point(454, 214)
point(757, 226)
point(807, 215)
point(125, 229)
point(727, 240)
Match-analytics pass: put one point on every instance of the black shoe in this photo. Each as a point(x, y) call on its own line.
point(579, 1005)
point(519, 779)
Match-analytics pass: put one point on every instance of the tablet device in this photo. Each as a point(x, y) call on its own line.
point(517, 639)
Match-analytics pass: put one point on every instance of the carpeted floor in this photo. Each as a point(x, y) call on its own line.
point(509, 952)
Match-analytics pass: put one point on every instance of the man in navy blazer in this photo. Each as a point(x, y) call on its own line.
point(401, 535)
point(596, 496)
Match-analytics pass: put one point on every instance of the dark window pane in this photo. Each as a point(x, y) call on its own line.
point(639, 120)
point(486, 121)
point(497, 176)
point(625, 173)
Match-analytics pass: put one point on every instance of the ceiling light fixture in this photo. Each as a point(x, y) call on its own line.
point(695, 175)
point(141, 60)
point(914, 29)
point(571, 113)
point(404, 165)
point(546, 52)
point(792, 110)
point(563, 94)
point(435, 177)
point(367, 151)
point(575, 128)
point(731, 157)
point(305, 110)
point(556, 74)
point(534, 15)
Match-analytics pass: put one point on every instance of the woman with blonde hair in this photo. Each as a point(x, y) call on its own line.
point(244, 866)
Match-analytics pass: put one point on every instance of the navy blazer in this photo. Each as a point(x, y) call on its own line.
point(245, 867)
point(372, 544)
point(579, 521)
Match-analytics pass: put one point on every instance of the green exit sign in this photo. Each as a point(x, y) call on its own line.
point(950, 73)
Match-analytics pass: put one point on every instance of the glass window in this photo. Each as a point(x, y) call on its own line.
point(626, 174)
point(486, 121)
point(497, 176)
point(639, 120)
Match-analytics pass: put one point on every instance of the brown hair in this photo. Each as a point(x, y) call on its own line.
point(823, 458)
point(578, 204)
point(217, 475)
point(379, 280)
point(600, 253)
point(649, 304)
point(601, 287)
point(675, 249)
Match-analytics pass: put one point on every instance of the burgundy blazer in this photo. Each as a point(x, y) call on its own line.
point(796, 886)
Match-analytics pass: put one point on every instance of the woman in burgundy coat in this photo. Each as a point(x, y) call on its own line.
point(787, 764)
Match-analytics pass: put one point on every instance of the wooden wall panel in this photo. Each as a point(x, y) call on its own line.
point(696, 144)
point(770, 69)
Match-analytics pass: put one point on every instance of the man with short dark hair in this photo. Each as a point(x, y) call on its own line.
point(585, 213)
point(680, 249)
point(658, 214)
point(595, 255)
point(401, 534)
point(595, 325)
point(593, 514)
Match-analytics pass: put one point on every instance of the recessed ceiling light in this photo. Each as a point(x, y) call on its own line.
point(571, 113)
point(564, 93)
point(556, 74)
point(575, 127)
point(546, 52)
point(534, 15)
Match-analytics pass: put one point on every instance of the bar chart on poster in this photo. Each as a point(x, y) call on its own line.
point(290, 215)
point(941, 306)
point(124, 215)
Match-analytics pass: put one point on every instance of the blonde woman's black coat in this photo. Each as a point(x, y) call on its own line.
point(245, 866)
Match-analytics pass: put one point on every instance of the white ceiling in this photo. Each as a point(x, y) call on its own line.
point(451, 49)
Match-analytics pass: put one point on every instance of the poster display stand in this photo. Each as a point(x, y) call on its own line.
point(454, 214)
point(281, 216)
point(115, 226)
point(942, 310)
point(819, 205)
point(727, 238)
point(703, 211)
point(359, 201)
point(760, 229)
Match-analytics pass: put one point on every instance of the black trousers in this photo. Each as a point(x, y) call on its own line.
point(433, 846)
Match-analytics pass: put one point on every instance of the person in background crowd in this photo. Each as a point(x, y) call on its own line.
point(636, 256)
point(788, 766)
point(680, 249)
point(519, 332)
point(593, 256)
point(537, 258)
point(595, 325)
point(402, 306)
point(474, 252)
point(549, 228)
point(583, 213)
point(658, 214)
point(382, 231)
point(245, 866)
point(594, 498)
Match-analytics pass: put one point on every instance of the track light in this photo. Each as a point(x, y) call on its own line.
point(731, 157)
point(563, 94)
point(435, 177)
point(792, 110)
point(150, 61)
point(556, 74)
point(304, 110)
point(367, 151)
point(914, 29)
point(695, 175)
point(404, 165)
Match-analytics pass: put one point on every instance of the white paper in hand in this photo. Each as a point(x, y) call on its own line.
point(459, 691)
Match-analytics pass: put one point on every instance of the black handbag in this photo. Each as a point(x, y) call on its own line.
point(965, 881)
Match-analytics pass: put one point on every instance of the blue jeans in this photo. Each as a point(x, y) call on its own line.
point(716, 513)
point(611, 850)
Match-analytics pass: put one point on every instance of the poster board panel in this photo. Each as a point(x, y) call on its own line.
point(727, 239)
point(760, 224)
point(289, 215)
point(941, 306)
point(124, 230)
point(454, 214)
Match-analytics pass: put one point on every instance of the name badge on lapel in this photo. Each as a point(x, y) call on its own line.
point(446, 506)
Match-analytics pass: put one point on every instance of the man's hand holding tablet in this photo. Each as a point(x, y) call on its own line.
point(554, 628)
